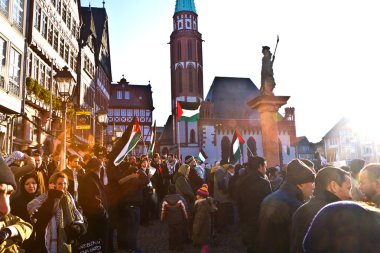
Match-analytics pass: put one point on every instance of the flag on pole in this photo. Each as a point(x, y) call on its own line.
point(126, 143)
point(186, 113)
point(152, 139)
point(236, 146)
point(202, 156)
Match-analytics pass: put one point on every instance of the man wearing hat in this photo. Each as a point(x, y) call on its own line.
point(13, 230)
point(194, 179)
point(277, 209)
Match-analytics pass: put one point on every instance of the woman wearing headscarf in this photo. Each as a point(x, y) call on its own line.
point(56, 220)
point(29, 189)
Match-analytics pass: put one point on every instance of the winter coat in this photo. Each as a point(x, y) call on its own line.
point(24, 230)
point(194, 179)
point(160, 179)
point(252, 189)
point(221, 181)
point(174, 209)
point(202, 221)
point(70, 175)
point(275, 218)
point(183, 187)
point(304, 215)
point(93, 201)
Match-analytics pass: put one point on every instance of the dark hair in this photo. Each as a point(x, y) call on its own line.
point(309, 163)
point(254, 162)
point(155, 155)
point(329, 174)
point(373, 171)
point(24, 178)
point(36, 153)
point(171, 155)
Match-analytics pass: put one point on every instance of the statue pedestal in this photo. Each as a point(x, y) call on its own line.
point(268, 106)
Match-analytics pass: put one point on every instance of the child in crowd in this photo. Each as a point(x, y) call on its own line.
point(174, 211)
point(202, 226)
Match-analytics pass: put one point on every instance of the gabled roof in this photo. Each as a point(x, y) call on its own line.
point(140, 96)
point(342, 123)
point(166, 137)
point(185, 5)
point(88, 26)
point(230, 96)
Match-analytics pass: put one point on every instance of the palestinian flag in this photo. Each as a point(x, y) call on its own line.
point(126, 143)
point(202, 156)
point(152, 139)
point(236, 147)
point(188, 111)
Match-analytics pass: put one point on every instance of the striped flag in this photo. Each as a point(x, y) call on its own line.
point(152, 139)
point(236, 146)
point(126, 143)
point(186, 112)
point(202, 156)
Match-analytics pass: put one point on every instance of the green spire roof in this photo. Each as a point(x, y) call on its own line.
point(185, 5)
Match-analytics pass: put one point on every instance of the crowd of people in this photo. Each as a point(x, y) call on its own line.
point(293, 208)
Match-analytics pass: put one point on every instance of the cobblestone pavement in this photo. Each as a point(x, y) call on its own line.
point(154, 239)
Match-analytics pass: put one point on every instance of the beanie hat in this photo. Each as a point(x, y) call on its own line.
point(94, 163)
point(189, 159)
point(299, 173)
point(203, 191)
point(6, 175)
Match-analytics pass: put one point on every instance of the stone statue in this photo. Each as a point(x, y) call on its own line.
point(267, 79)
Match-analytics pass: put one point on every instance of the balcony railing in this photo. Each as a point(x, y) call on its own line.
point(14, 89)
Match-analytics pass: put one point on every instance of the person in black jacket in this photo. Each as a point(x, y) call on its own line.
point(331, 184)
point(92, 198)
point(253, 187)
point(174, 211)
point(277, 209)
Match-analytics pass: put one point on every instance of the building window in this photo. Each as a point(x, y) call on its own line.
point(62, 48)
point(127, 95)
point(37, 20)
point(251, 147)
point(136, 112)
point(189, 50)
point(191, 80)
point(192, 136)
point(180, 81)
point(64, 12)
point(226, 145)
point(44, 25)
point(43, 75)
point(123, 112)
point(200, 82)
point(179, 51)
point(119, 95)
point(14, 72)
point(59, 4)
point(36, 67)
point(3, 48)
point(50, 34)
point(68, 22)
point(110, 112)
point(66, 53)
point(56, 40)
point(18, 13)
point(4, 7)
point(116, 112)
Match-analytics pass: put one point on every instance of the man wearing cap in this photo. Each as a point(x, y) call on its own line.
point(13, 230)
point(331, 184)
point(277, 209)
point(194, 179)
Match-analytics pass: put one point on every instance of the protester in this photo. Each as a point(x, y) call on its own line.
point(194, 179)
point(253, 187)
point(173, 165)
point(57, 221)
point(13, 230)
point(93, 201)
point(183, 186)
point(369, 183)
point(331, 184)
point(160, 178)
point(149, 203)
point(277, 209)
point(355, 167)
point(202, 226)
point(174, 211)
point(73, 172)
point(41, 171)
point(344, 227)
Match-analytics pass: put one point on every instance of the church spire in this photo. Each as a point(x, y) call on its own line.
point(185, 5)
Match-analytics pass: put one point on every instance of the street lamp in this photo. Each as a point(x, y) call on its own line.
point(103, 120)
point(66, 83)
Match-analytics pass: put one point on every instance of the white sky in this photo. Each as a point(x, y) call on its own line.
point(327, 59)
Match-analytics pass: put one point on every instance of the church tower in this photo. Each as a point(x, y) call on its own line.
point(186, 67)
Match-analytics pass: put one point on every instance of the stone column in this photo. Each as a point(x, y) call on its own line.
point(268, 106)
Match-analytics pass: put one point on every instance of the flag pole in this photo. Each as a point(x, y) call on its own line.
point(178, 137)
point(249, 150)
